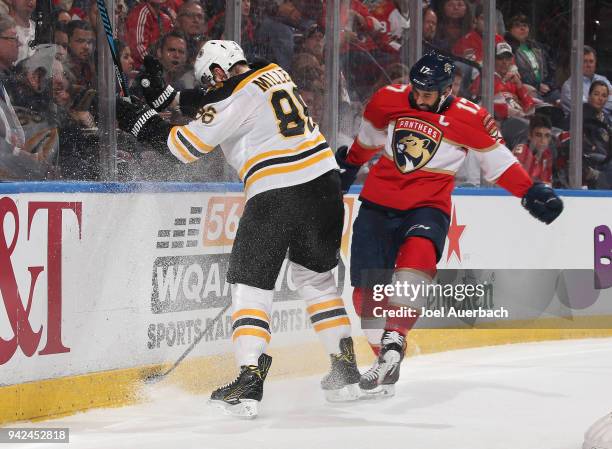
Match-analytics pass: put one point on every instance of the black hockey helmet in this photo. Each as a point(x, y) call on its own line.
point(433, 72)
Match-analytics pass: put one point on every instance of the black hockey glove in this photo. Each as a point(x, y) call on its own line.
point(143, 123)
point(348, 171)
point(158, 94)
point(542, 202)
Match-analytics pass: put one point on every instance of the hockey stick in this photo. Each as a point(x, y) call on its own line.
point(449, 55)
point(108, 29)
point(157, 377)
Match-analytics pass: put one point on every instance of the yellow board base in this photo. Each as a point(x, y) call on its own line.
point(66, 395)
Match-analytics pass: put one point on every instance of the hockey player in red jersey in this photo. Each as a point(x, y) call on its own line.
point(402, 224)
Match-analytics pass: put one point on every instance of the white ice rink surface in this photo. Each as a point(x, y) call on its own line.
point(527, 396)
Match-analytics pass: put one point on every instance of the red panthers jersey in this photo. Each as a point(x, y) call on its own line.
point(423, 151)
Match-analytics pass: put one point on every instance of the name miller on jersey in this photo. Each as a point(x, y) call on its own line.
point(272, 78)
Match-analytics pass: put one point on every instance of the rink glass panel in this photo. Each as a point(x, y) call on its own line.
point(71, 133)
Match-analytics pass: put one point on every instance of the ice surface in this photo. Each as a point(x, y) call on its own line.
point(527, 396)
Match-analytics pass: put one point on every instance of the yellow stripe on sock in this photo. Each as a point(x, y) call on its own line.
point(324, 305)
point(253, 312)
point(343, 321)
point(252, 332)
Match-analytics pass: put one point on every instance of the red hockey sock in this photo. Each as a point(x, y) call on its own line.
point(417, 256)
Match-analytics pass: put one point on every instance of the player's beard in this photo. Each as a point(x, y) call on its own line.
point(425, 107)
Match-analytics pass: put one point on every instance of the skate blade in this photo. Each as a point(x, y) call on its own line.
point(245, 409)
point(347, 393)
point(380, 392)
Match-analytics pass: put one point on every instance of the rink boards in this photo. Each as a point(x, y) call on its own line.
point(104, 283)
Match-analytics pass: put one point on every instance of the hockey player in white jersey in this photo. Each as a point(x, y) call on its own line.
point(294, 203)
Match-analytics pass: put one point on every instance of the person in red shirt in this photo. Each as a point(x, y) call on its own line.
point(536, 156)
point(145, 25)
point(393, 21)
point(512, 98)
point(470, 45)
point(403, 220)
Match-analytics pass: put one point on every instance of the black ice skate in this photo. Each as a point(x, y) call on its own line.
point(241, 397)
point(341, 384)
point(380, 379)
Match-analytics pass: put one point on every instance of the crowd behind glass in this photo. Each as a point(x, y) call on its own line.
point(49, 83)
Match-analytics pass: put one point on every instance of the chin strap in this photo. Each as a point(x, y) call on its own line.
point(444, 102)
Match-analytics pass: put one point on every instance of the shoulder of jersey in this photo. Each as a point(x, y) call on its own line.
point(236, 83)
point(394, 93)
point(387, 99)
point(468, 112)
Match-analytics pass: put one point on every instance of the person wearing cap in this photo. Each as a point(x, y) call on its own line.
point(535, 66)
point(512, 98)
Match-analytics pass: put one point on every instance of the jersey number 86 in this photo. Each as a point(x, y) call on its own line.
point(291, 113)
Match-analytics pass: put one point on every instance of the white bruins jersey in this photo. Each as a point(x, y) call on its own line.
point(264, 129)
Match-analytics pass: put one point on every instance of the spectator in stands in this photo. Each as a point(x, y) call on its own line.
point(216, 28)
point(470, 45)
point(313, 94)
point(535, 66)
point(127, 62)
point(21, 11)
point(393, 17)
point(457, 82)
point(454, 21)
point(589, 75)
point(75, 12)
point(31, 93)
point(311, 10)
point(314, 43)
point(146, 23)
point(33, 102)
point(597, 142)
point(511, 98)
point(121, 15)
point(78, 156)
point(307, 65)
point(430, 24)
point(61, 88)
point(395, 73)
point(61, 16)
point(93, 16)
point(60, 39)
point(81, 41)
point(172, 54)
point(11, 133)
point(536, 155)
point(274, 38)
point(190, 20)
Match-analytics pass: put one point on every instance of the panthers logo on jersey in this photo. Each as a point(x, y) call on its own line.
point(415, 142)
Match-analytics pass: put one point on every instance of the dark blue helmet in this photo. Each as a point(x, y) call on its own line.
point(433, 72)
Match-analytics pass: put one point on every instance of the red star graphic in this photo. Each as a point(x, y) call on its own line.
point(454, 235)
